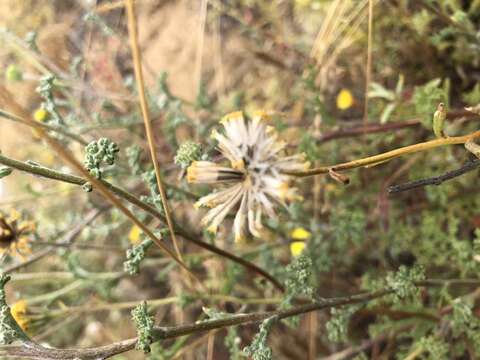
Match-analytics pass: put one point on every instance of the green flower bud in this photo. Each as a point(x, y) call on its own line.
point(439, 120)
point(13, 73)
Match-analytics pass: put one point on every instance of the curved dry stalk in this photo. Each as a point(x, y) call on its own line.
point(137, 63)
point(389, 155)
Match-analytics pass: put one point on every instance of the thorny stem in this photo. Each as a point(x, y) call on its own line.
point(36, 351)
point(389, 155)
point(76, 180)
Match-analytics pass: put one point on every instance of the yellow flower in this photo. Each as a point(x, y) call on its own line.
point(134, 235)
point(19, 313)
point(296, 247)
point(40, 115)
point(344, 99)
point(300, 234)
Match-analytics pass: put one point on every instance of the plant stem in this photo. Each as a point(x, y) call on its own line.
point(389, 155)
point(57, 129)
point(36, 351)
point(76, 180)
point(436, 180)
point(137, 63)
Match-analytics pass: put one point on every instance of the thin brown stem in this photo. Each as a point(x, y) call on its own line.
point(137, 62)
point(368, 70)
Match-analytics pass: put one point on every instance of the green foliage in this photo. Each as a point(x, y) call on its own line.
point(350, 226)
point(31, 40)
point(172, 107)
point(393, 98)
point(472, 97)
point(134, 153)
point(144, 324)
point(464, 322)
point(337, 326)
point(309, 147)
point(435, 348)
point(428, 96)
point(94, 18)
point(135, 255)
point(259, 349)
point(403, 281)
point(233, 275)
point(46, 87)
point(188, 152)
point(202, 100)
point(97, 152)
point(232, 342)
point(8, 332)
point(9, 329)
point(298, 277)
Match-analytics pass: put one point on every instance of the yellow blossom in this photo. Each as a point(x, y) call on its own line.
point(19, 313)
point(40, 115)
point(134, 235)
point(296, 247)
point(344, 99)
point(300, 234)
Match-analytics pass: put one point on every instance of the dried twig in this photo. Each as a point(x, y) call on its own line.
point(36, 351)
point(436, 180)
point(137, 62)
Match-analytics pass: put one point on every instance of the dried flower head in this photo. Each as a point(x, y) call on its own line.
point(14, 231)
point(258, 163)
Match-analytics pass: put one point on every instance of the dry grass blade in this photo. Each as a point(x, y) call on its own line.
point(7, 100)
point(137, 62)
point(368, 70)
